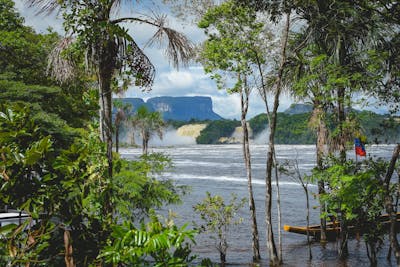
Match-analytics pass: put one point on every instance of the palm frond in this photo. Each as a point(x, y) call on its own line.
point(180, 49)
point(44, 6)
point(138, 63)
point(60, 67)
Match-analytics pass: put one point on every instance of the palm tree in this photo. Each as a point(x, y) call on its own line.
point(339, 31)
point(147, 123)
point(121, 115)
point(109, 50)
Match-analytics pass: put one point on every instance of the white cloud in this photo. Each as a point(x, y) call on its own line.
point(40, 22)
point(191, 81)
point(228, 106)
point(180, 79)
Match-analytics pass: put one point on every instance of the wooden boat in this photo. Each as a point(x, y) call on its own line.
point(333, 228)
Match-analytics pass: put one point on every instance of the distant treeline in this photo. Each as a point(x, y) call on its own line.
point(294, 129)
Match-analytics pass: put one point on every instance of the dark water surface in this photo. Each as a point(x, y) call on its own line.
point(219, 169)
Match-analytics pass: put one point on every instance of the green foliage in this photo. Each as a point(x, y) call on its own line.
point(26, 155)
point(379, 128)
point(69, 189)
point(232, 32)
point(148, 123)
point(356, 194)
point(294, 128)
point(26, 184)
point(54, 110)
point(23, 63)
point(23, 53)
point(218, 217)
point(136, 189)
point(290, 129)
point(152, 244)
point(121, 117)
point(216, 129)
point(9, 17)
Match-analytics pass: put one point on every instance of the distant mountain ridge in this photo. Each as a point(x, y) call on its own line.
point(298, 109)
point(183, 108)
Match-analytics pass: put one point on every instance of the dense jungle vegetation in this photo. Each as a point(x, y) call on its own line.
point(87, 206)
point(294, 128)
point(54, 168)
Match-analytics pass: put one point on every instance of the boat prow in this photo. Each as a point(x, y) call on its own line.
point(333, 229)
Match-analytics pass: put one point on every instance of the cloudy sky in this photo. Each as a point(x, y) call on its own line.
point(190, 81)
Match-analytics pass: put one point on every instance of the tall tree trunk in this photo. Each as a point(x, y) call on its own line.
point(244, 101)
point(274, 259)
point(394, 243)
point(308, 220)
point(145, 143)
point(279, 208)
point(106, 67)
point(116, 138)
point(341, 120)
point(106, 95)
point(106, 51)
point(342, 248)
point(144, 149)
point(101, 115)
point(322, 134)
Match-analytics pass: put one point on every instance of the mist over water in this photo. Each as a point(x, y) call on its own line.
point(259, 139)
point(171, 138)
point(262, 137)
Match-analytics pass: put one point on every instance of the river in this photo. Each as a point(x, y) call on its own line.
point(219, 169)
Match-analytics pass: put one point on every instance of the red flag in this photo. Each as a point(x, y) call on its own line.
point(359, 147)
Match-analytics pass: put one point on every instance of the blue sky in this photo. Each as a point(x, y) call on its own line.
point(190, 81)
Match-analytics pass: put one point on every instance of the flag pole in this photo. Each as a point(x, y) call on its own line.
point(355, 150)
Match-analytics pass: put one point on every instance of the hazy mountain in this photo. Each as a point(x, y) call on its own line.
point(298, 109)
point(178, 108)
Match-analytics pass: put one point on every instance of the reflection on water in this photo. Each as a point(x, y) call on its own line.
point(219, 169)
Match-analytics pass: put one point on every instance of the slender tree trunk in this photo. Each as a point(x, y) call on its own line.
point(223, 246)
point(322, 210)
point(341, 120)
point(308, 221)
point(116, 138)
point(274, 259)
point(105, 82)
point(101, 115)
point(222, 258)
point(342, 248)
point(322, 134)
point(394, 243)
point(278, 206)
point(106, 66)
point(105, 73)
point(144, 148)
point(68, 258)
point(145, 142)
point(108, 125)
point(247, 159)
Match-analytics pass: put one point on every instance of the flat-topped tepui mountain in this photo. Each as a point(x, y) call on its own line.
point(298, 109)
point(183, 108)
